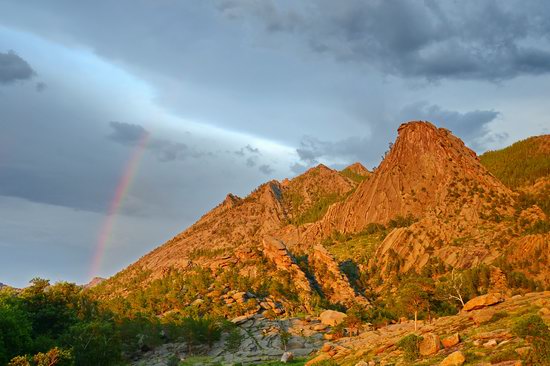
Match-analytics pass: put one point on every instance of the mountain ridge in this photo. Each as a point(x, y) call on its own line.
point(430, 205)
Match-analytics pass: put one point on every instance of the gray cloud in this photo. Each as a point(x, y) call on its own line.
point(127, 133)
point(433, 40)
point(251, 162)
point(165, 150)
point(41, 86)
point(266, 169)
point(312, 149)
point(13, 68)
point(247, 150)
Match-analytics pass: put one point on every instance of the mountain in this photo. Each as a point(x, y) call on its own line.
point(94, 282)
point(522, 163)
point(328, 238)
point(525, 168)
point(234, 239)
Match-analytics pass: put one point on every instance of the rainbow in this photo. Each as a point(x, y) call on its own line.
point(121, 191)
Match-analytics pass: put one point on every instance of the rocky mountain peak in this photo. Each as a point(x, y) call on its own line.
point(358, 168)
point(425, 171)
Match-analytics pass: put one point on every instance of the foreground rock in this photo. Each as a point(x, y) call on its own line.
point(459, 334)
point(332, 318)
point(483, 301)
point(451, 340)
point(454, 359)
point(429, 345)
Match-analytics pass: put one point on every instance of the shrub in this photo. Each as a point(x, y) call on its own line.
point(233, 340)
point(410, 345)
point(497, 316)
point(401, 221)
point(536, 332)
point(54, 357)
point(200, 331)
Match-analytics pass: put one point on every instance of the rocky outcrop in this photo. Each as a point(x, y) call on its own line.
point(276, 252)
point(483, 301)
point(93, 282)
point(333, 282)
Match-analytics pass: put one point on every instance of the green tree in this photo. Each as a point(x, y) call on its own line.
point(15, 330)
point(95, 343)
point(413, 296)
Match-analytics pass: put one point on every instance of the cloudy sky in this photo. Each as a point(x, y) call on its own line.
point(188, 100)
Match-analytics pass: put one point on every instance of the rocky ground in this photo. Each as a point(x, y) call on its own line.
point(480, 336)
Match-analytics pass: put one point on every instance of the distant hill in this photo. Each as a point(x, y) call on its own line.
point(520, 164)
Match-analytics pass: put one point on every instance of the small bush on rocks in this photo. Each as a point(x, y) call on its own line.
point(410, 345)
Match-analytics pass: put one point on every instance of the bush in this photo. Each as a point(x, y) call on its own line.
point(410, 345)
point(201, 331)
point(54, 357)
point(536, 332)
point(401, 221)
point(233, 340)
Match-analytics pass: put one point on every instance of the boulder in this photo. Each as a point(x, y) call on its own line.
point(490, 344)
point(482, 316)
point(331, 317)
point(451, 340)
point(483, 301)
point(287, 357)
point(319, 327)
point(454, 359)
point(429, 345)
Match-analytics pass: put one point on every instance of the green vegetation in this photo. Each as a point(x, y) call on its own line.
point(317, 210)
point(401, 221)
point(55, 356)
point(348, 173)
point(58, 323)
point(537, 333)
point(410, 346)
point(62, 325)
point(521, 163)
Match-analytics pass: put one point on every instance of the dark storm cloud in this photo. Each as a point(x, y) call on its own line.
point(433, 40)
point(472, 126)
point(13, 68)
point(165, 150)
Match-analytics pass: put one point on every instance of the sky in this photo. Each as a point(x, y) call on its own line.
point(122, 122)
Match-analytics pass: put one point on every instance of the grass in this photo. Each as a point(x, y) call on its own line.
point(297, 362)
point(196, 360)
